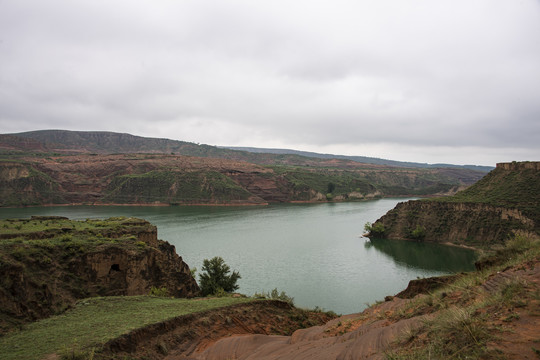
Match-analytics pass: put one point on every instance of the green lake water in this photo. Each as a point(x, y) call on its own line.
point(313, 252)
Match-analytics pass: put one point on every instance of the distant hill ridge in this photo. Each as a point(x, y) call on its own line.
point(102, 142)
point(361, 159)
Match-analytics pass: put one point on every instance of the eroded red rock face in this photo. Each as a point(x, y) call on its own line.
point(126, 260)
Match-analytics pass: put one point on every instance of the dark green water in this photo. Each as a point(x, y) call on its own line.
point(313, 252)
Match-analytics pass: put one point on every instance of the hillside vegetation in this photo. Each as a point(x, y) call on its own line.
point(511, 185)
point(66, 167)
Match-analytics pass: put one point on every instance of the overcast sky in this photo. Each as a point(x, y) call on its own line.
point(453, 81)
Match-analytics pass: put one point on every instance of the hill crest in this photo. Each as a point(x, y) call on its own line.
point(103, 142)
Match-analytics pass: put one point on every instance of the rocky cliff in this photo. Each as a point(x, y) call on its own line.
point(506, 201)
point(46, 264)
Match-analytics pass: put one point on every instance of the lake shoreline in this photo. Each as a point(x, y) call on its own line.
point(227, 204)
point(296, 248)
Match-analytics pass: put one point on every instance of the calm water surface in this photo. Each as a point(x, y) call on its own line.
point(313, 252)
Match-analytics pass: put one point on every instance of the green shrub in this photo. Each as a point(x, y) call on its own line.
point(375, 230)
point(518, 244)
point(419, 233)
point(220, 293)
point(275, 295)
point(65, 238)
point(215, 275)
point(141, 244)
point(459, 330)
point(77, 354)
point(160, 292)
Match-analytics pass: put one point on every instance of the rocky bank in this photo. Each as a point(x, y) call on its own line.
point(47, 263)
point(505, 202)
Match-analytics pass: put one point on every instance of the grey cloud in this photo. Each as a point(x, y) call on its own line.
point(341, 74)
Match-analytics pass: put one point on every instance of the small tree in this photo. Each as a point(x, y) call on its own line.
point(419, 233)
point(375, 230)
point(330, 188)
point(215, 277)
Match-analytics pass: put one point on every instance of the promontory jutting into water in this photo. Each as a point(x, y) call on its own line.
point(313, 252)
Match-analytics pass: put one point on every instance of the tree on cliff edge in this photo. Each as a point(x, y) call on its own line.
point(215, 276)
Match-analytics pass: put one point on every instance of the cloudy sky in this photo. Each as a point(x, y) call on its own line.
point(419, 80)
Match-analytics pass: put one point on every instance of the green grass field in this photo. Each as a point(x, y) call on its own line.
point(94, 321)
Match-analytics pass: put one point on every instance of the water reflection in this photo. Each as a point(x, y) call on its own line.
point(426, 256)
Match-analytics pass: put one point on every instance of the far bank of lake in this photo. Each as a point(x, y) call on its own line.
point(313, 252)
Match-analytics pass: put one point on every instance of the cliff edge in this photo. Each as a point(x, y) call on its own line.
point(506, 201)
point(47, 263)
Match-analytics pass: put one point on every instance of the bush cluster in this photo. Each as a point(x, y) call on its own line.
point(215, 278)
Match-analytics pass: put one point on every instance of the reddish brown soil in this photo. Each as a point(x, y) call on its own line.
point(357, 336)
point(185, 336)
point(380, 329)
point(520, 320)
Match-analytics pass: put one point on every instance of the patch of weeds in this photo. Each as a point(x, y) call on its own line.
point(510, 294)
point(409, 335)
point(140, 244)
point(459, 331)
point(19, 253)
point(275, 295)
point(518, 244)
point(319, 310)
point(221, 293)
point(159, 292)
point(77, 354)
point(206, 321)
point(511, 317)
point(162, 348)
point(188, 333)
point(65, 238)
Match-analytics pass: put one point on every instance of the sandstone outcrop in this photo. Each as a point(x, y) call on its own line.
point(44, 272)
